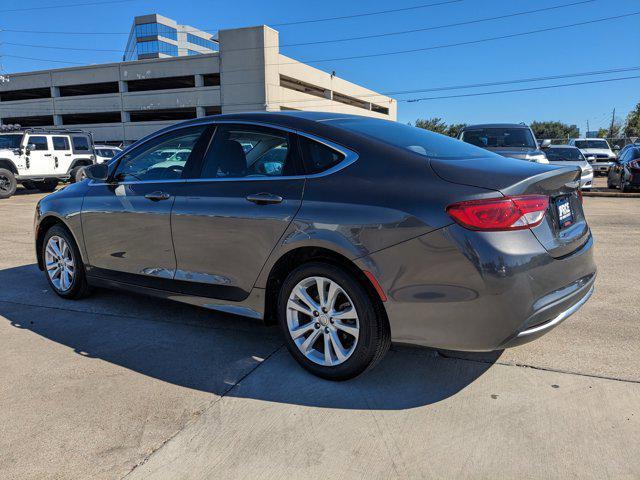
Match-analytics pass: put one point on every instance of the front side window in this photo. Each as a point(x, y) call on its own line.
point(38, 143)
point(60, 143)
point(248, 151)
point(80, 144)
point(162, 158)
point(500, 138)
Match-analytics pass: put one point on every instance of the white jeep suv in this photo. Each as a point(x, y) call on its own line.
point(41, 158)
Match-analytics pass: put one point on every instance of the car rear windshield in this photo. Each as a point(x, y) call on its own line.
point(499, 137)
point(564, 154)
point(602, 144)
point(10, 140)
point(418, 140)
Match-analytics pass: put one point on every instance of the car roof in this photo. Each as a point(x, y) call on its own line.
point(495, 125)
point(589, 138)
point(563, 146)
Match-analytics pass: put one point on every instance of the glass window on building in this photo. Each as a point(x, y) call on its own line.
point(202, 42)
point(156, 46)
point(156, 29)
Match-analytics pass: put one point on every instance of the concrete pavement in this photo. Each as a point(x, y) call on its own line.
point(119, 385)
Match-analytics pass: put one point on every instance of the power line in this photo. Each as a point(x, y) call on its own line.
point(69, 5)
point(413, 100)
point(414, 50)
point(281, 24)
point(367, 14)
point(438, 27)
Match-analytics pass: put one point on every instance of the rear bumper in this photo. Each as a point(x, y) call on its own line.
point(479, 291)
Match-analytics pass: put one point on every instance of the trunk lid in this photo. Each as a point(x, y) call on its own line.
point(564, 228)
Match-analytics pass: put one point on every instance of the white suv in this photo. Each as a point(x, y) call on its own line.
point(104, 153)
point(597, 151)
point(41, 158)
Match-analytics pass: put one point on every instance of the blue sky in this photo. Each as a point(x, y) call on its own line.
point(600, 46)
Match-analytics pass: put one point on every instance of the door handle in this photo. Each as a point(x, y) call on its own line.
point(264, 198)
point(47, 154)
point(157, 196)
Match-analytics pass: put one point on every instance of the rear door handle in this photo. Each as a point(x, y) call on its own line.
point(264, 198)
point(157, 196)
point(47, 154)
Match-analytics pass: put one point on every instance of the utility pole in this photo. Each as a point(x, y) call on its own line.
point(613, 118)
point(586, 134)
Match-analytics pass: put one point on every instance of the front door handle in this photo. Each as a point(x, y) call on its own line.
point(47, 155)
point(157, 196)
point(264, 198)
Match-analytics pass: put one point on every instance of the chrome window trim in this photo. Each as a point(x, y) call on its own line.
point(350, 156)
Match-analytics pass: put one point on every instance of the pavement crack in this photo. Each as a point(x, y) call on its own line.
point(535, 367)
point(196, 415)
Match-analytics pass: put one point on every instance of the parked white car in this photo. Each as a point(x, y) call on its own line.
point(569, 156)
point(41, 158)
point(597, 151)
point(104, 153)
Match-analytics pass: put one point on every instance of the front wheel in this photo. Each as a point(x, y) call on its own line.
point(63, 264)
point(331, 324)
point(8, 183)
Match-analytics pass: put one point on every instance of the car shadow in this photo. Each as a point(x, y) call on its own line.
point(212, 352)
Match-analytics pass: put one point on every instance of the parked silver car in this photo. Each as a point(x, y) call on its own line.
point(568, 156)
point(345, 231)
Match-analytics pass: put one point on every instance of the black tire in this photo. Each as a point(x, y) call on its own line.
point(77, 174)
point(46, 185)
point(624, 188)
point(8, 183)
point(79, 286)
point(374, 337)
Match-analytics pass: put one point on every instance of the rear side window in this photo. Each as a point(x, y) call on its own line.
point(39, 143)
point(81, 144)
point(318, 157)
point(60, 143)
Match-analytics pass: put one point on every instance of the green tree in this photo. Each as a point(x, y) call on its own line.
point(632, 125)
point(608, 133)
point(554, 130)
point(435, 124)
point(455, 129)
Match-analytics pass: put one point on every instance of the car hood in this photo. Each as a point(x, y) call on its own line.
point(7, 151)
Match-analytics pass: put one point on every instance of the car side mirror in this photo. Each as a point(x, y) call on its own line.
point(29, 148)
point(616, 148)
point(97, 171)
point(545, 143)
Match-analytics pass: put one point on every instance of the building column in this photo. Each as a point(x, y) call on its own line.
point(55, 92)
point(125, 117)
point(200, 112)
point(122, 85)
point(57, 120)
point(199, 80)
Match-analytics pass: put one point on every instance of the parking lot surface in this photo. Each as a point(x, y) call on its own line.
point(119, 385)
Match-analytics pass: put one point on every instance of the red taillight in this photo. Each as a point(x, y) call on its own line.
point(505, 213)
point(580, 196)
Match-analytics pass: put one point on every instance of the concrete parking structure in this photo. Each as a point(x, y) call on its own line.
point(122, 385)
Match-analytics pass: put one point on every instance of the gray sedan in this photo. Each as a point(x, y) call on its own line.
point(347, 232)
point(568, 156)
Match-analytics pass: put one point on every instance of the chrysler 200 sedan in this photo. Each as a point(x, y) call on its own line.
point(348, 232)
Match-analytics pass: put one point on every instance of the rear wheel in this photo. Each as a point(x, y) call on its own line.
point(63, 264)
point(8, 183)
point(46, 185)
point(331, 325)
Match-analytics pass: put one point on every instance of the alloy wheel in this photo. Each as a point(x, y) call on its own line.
point(59, 263)
point(322, 321)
